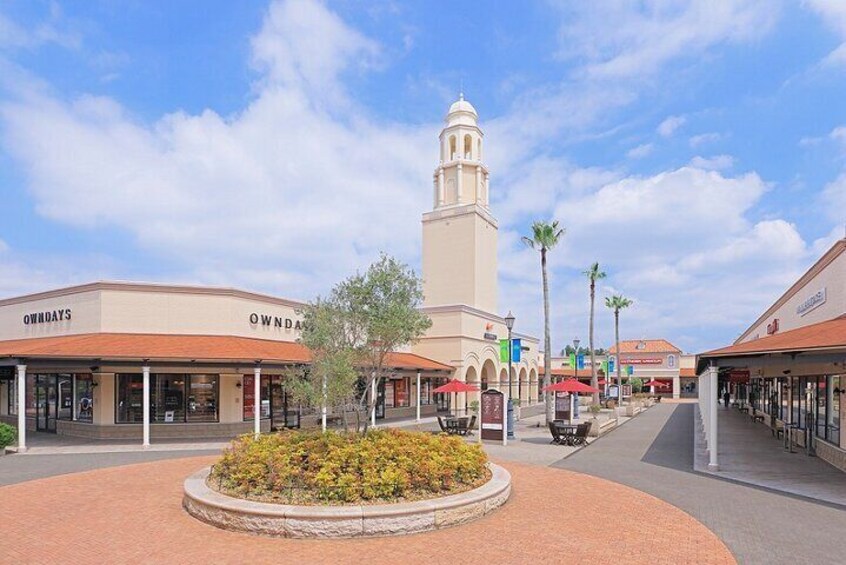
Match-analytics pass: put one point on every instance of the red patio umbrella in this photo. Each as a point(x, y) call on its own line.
point(570, 385)
point(653, 382)
point(454, 385)
point(573, 386)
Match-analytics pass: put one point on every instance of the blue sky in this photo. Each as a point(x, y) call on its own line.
point(697, 150)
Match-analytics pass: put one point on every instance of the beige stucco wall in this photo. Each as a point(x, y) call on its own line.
point(832, 278)
point(164, 309)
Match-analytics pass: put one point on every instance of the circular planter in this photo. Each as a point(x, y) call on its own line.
point(282, 520)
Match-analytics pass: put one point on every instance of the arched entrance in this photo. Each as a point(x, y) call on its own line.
point(489, 375)
point(533, 387)
point(470, 377)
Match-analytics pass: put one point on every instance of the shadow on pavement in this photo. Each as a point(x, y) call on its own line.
point(673, 446)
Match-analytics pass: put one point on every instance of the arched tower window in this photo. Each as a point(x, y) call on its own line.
point(468, 147)
point(479, 149)
point(451, 147)
point(671, 361)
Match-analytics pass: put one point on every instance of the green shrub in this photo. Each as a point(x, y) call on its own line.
point(317, 468)
point(8, 435)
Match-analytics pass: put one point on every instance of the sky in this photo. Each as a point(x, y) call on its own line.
point(695, 149)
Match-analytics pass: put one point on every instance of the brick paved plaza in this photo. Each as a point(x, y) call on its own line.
point(631, 497)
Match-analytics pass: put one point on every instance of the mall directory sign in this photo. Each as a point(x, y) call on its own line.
point(493, 415)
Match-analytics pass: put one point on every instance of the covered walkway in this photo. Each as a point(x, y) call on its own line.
point(749, 452)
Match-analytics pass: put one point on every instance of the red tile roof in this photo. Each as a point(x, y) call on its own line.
point(821, 336)
point(687, 372)
point(650, 346)
point(166, 347)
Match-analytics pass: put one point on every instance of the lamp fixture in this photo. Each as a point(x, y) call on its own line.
point(509, 320)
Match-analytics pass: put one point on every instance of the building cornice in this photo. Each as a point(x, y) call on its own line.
point(457, 210)
point(124, 286)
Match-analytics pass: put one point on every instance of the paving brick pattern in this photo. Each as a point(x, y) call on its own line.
point(654, 453)
point(133, 514)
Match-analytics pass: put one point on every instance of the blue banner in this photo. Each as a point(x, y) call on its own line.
point(581, 361)
point(516, 350)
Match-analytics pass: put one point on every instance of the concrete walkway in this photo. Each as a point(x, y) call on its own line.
point(749, 453)
point(654, 453)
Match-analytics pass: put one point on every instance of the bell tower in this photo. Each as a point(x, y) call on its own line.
point(460, 234)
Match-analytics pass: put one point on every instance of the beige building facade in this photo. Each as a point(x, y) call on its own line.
point(460, 270)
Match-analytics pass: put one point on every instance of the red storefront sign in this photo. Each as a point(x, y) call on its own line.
point(772, 327)
point(739, 376)
point(643, 361)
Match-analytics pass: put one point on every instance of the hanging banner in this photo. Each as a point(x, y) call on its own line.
point(516, 350)
point(503, 350)
point(630, 370)
point(572, 360)
point(580, 361)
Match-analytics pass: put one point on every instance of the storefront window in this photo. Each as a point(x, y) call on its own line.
point(426, 392)
point(12, 398)
point(130, 399)
point(84, 398)
point(202, 398)
point(174, 398)
point(249, 397)
point(31, 400)
point(167, 398)
point(64, 390)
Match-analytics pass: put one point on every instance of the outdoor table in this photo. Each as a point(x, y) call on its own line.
point(452, 423)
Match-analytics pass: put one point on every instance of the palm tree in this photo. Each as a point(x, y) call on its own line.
point(593, 274)
point(545, 236)
point(617, 303)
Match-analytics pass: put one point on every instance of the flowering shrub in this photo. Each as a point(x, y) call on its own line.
point(383, 465)
point(8, 435)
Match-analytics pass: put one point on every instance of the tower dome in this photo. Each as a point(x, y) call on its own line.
point(461, 112)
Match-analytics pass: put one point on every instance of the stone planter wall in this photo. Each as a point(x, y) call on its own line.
point(279, 520)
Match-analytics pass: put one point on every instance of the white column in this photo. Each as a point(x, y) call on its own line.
point(373, 399)
point(487, 188)
point(418, 397)
point(459, 174)
point(74, 414)
point(478, 183)
point(713, 464)
point(257, 401)
point(676, 386)
point(21, 408)
point(323, 408)
point(146, 408)
point(440, 186)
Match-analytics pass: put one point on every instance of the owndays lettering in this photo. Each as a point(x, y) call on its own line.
point(61, 315)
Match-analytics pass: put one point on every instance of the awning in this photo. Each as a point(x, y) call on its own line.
point(120, 347)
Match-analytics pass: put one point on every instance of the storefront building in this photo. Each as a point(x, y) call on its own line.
point(790, 364)
point(654, 359)
point(142, 361)
point(90, 354)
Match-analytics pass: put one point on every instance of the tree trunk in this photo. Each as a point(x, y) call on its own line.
point(594, 382)
point(547, 345)
point(619, 357)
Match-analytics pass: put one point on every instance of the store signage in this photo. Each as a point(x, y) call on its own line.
point(739, 376)
point(491, 337)
point(644, 361)
point(275, 321)
point(772, 327)
point(60, 315)
point(812, 302)
point(493, 415)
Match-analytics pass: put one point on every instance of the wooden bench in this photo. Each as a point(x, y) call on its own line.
point(757, 417)
point(778, 429)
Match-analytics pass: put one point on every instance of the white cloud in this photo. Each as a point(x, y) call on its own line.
point(624, 39)
point(834, 199)
point(641, 151)
point(715, 163)
point(704, 138)
point(833, 14)
point(282, 195)
point(53, 29)
point(670, 125)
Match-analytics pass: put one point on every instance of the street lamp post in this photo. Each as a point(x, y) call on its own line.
point(574, 407)
point(509, 324)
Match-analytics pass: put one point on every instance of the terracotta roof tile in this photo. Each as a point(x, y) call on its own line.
point(124, 347)
point(650, 346)
point(687, 372)
point(830, 334)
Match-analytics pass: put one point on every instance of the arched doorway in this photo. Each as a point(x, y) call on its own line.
point(523, 386)
point(534, 394)
point(489, 375)
point(470, 377)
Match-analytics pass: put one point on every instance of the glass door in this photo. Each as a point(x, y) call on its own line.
point(46, 398)
point(283, 412)
point(380, 399)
